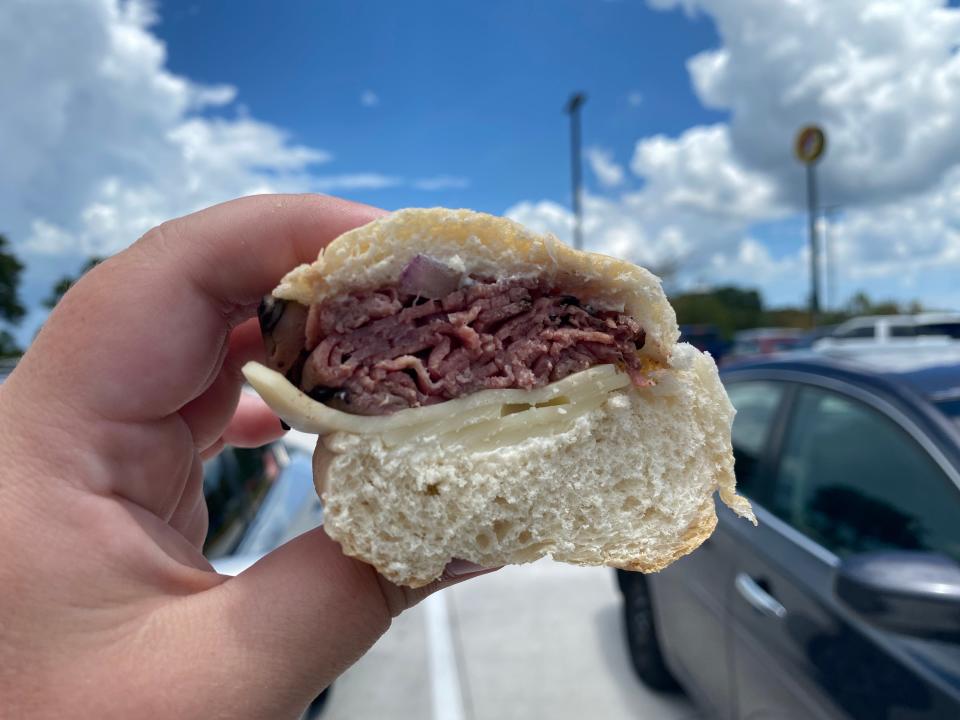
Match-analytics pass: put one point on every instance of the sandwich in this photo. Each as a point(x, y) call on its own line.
point(486, 393)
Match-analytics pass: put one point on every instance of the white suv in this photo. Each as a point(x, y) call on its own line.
point(894, 328)
point(892, 339)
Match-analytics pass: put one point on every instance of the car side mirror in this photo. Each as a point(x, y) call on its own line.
point(917, 593)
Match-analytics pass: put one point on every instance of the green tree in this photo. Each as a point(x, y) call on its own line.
point(728, 308)
point(12, 310)
point(861, 304)
point(731, 309)
point(791, 317)
point(66, 282)
point(8, 346)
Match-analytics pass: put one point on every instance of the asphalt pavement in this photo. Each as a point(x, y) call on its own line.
point(530, 642)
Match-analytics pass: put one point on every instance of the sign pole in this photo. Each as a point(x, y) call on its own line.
point(814, 246)
point(809, 146)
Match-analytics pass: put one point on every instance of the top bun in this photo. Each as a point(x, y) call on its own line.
point(372, 256)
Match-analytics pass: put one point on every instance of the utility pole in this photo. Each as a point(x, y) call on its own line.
point(572, 108)
point(809, 146)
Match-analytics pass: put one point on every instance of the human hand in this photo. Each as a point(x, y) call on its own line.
point(108, 607)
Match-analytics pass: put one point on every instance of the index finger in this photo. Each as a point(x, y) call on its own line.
point(144, 332)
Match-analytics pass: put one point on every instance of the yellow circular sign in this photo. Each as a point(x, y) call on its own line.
point(810, 144)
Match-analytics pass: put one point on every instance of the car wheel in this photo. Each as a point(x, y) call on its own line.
point(316, 707)
point(642, 642)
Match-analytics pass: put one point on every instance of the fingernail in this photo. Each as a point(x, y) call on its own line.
point(460, 568)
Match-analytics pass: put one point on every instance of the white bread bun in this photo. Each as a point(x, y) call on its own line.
point(590, 469)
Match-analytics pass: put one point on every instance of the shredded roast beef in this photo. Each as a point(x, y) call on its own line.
point(373, 353)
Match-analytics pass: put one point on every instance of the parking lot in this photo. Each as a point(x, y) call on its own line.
point(537, 641)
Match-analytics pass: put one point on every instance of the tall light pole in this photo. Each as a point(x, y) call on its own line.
point(829, 257)
point(809, 146)
point(572, 108)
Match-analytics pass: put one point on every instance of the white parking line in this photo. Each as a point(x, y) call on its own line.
point(445, 694)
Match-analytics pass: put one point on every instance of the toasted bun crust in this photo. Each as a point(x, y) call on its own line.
point(372, 256)
point(621, 476)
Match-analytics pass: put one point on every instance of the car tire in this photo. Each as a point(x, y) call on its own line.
point(641, 633)
point(316, 707)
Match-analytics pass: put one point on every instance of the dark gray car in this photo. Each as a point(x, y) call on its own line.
point(845, 601)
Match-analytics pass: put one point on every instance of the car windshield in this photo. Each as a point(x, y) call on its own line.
point(950, 329)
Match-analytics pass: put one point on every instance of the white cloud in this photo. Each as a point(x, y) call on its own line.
point(103, 141)
point(628, 227)
point(442, 182)
point(376, 181)
point(544, 217)
point(215, 142)
point(199, 162)
point(904, 239)
point(202, 96)
point(368, 98)
point(608, 172)
point(750, 261)
point(634, 98)
point(354, 181)
point(695, 204)
point(883, 79)
point(628, 230)
point(699, 173)
point(881, 76)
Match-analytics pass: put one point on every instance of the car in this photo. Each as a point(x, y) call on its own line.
point(763, 341)
point(705, 338)
point(922, 328)
point(814, 334)
point(258, 499)
point(844, 601)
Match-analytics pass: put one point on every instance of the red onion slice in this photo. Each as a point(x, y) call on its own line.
point(428, 278)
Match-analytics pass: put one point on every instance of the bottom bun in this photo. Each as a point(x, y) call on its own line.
point(627, 484)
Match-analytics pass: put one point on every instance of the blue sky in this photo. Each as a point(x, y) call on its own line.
point(130, 112)
point(467, 89)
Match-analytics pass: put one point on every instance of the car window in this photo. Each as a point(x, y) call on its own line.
point(235, 483)
point(950, 329)
point(853, 480)
point(902, 331)
point(864, 331)
point(756, 403)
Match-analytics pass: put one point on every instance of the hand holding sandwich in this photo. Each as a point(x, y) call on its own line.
point(108, 607)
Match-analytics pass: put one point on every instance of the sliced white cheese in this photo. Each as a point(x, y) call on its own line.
point(488, 417)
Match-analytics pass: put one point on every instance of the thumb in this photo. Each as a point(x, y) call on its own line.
point(305, 613)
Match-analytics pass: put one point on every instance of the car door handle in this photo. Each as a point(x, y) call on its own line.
point(759, 598)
